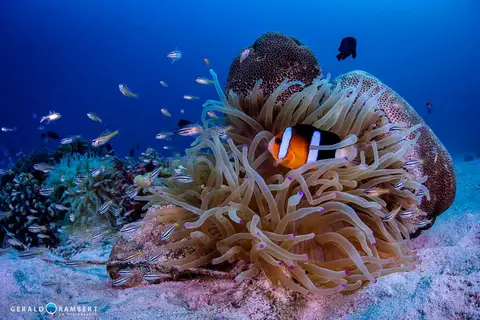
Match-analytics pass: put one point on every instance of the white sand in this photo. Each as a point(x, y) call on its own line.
point(445, 286)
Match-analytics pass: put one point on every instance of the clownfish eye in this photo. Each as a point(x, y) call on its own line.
point(278, 140)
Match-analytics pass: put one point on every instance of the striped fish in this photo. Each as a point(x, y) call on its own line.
point(104, 208)
point(168, 231)
point(122, 280)
point(30, 254)
point(76, 263)
point(98, 171)
point(423, 223)
point(409, 213)
point(376, 192)
point(46, 191)
point(155, 173)
point(132, 256)
point(420, 193)
point(412, 164)
point(182, 178)
point(131, 228)
point(401, 183)
point(155, 276)
point(154, 258)
point(131, 192)
point(35, 228)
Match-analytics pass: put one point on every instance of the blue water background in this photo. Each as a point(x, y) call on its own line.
point(70, 56)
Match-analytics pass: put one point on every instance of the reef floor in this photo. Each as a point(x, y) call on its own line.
point(446, 285)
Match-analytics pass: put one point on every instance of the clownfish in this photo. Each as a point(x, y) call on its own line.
point(291, 148)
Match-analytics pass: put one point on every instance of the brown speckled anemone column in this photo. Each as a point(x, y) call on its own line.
point(273, 57)
point(437, 166)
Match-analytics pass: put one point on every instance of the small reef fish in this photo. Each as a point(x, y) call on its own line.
point(132, 256)
point(4, 172)
point(429, 105)
point(409, 213)
point(423, 223)
point(15, 243)
point(60, 207)
point(122, 280)
point(412, 164)
point(155, 276)
point(35, 228)
point(131, 192)
point(200, 80)
point(104, 138)
point(131, 228)
point(98, 171)
point(104, 208)
point(376, 192)
point(75, 263)
point(164, 84)
point(182, 178)
point(174, 55)
point(189, 97)
point(348, 47)
point(5, 129)
point(51, 116)
point(206, 61)
point(182, 111)
point(401, 183)
point(69, 140)
point(212, 114)
point(30, 253)
point(155, 173)
point(244, 55)
point(31, 218)
point(154, 258)
point(5, 214)
point(81, 178)
point(94, 117)
point(292, 148)
point(43, 167)
point(43, 236)
point(46, 191)
point(167, 147)
point(190, 130)
point(126, 92)
point(162, 135)
point(168, 231)
point(165, 112)
point(116, 212)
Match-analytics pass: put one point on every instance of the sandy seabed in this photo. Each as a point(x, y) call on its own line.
point(446, 285)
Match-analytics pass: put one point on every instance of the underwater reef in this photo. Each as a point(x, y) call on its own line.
point(327, 227)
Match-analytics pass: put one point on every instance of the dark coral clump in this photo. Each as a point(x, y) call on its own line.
point(25, 163)
point(27, 208)
point(273, 57)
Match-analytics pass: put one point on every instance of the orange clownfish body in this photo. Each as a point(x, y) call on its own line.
point(292, 147)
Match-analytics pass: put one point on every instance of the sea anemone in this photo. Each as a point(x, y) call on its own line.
point(323, 228)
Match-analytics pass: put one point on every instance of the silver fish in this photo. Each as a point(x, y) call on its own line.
point(46, 191)
point(155, 173)
point(43, 167)
point(412, 164)
point(126, 272)
point(401, 183)
point(155, 276)
point(75, 263)
point(60, 207)
point(43, 236)
point(131, 228)
point(409, 213)
point(50, 283)
point(122, 280)
point(423, 223)
point(35, 228)
point(131, 192)
point(154, 258)
point(98, 171)
point(5, 172)
point(168, 231)
point(104, 208)
point(30, 254)
point(182, 178)
point(132, 256)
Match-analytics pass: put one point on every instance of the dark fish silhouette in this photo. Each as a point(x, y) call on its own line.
point(182, 123)
point(429, 105)
point(347, 47)
point(109, 148)
point(131, 152)
point(51, 135)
